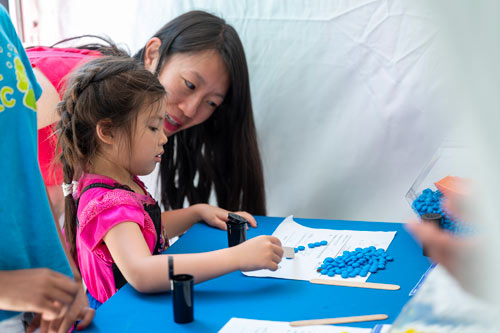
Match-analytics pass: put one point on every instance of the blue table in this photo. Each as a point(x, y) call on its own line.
point(236, 295)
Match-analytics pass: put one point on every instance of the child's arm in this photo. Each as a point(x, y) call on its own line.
point(47, 103)
point(178, 221)
point(148, 273)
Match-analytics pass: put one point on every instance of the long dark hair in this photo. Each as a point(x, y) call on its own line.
point(107, 88)
point(105, 46)
point(221, 154)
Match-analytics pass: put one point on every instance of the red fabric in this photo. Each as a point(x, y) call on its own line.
point(55, 64)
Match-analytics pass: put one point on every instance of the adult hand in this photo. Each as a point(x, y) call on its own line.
point(457, 255)
point(262, 252)
point(439, 244)
point(216, 217)
point(38, 290)
point(79, 310)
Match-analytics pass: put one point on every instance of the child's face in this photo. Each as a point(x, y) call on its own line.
point(148, 139)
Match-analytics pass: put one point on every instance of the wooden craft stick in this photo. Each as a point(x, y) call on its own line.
point(368, 285)
point(340, 320)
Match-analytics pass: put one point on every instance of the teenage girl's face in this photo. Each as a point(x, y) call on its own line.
point(196, 84)
point(148, 140)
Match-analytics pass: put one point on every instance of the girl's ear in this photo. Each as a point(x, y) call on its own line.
point(105, 131)
point(152, 54)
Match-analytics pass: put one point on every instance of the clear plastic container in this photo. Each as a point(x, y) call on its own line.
point(449, 160)
point(424, 197)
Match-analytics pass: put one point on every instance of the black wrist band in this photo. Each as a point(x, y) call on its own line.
point(171, 271)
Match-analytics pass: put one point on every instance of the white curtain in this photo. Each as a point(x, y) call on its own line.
point(346, 94)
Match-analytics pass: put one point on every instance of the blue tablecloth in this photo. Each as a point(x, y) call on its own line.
point(236, 295)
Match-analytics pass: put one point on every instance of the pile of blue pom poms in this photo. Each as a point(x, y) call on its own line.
point(430, 202)
point(353, 263)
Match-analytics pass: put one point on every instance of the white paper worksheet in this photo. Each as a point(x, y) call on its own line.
point(305, 263)
point(265, 326)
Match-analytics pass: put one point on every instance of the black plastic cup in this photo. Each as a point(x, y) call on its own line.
point(236, 229)
point(433, 218)
point(183, 298)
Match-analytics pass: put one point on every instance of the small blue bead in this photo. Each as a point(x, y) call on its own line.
point(324, 271)
point(373, 270)
point(316, 244)
point(329, 259)
point(324, 242)
point(301, 248)
point(295, 250)
point(363, 273)
point(352, 274)
point(345, 275)
point(310, 245)
point(331, 273)
point(389, 258)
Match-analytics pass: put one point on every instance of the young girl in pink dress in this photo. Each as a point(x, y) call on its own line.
point(111, 130)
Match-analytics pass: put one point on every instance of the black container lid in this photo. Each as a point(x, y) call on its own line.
point(432, 217)
point(236, 219)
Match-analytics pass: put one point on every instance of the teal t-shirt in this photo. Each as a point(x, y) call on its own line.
point(28, 236)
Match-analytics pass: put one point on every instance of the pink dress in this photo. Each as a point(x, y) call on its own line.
point(99, 210)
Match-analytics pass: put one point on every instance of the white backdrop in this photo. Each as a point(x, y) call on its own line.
point(346, 94)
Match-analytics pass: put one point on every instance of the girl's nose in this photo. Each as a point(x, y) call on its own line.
point(164, 137)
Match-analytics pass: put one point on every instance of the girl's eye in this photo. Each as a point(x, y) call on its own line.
point(189, 85)
point(212, 104)
point(154, 129)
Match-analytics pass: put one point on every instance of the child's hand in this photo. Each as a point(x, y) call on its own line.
point(262, 252)
point(79, 310)
point(216, 217)
point(38, 290)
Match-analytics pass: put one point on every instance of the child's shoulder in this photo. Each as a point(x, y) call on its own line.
point(96, 194)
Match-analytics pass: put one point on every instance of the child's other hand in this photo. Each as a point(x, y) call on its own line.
point(262, 252)
point(38, 290)
point(216, 217)
point(78, 310)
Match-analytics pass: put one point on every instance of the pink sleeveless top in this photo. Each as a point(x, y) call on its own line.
point(55, 64)
point(99, 210)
